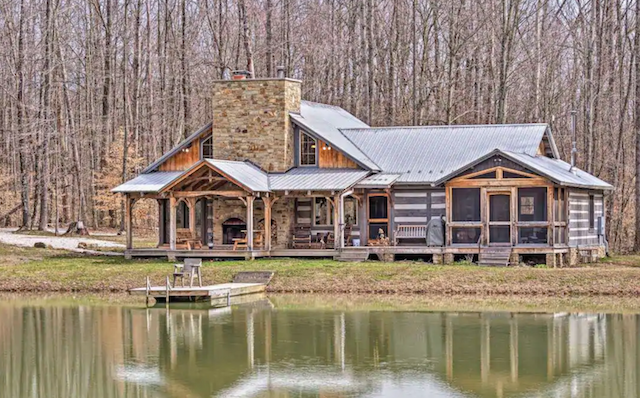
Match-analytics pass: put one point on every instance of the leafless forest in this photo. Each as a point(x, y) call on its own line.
point(91, 91)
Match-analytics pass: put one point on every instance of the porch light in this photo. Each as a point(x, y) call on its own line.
point(313, 146)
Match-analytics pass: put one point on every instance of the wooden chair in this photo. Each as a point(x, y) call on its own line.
point(190, 268)
point(347, 235)
point(242, 243)
point(185, 237)
point(301, 236)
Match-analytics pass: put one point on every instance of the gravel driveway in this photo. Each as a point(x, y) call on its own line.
point(8, 236)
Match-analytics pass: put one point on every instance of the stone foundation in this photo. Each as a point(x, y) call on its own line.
point(551, 260)
point(514, 259)
point(437, 259)
point(448, 258)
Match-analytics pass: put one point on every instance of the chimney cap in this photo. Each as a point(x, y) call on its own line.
point(241, 74)
point(280, 72)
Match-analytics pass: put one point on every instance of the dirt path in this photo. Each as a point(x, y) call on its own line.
point(9, 237)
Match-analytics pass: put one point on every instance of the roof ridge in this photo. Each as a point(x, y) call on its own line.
point(457, 126)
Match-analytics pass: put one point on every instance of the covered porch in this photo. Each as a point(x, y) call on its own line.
point(226, 209)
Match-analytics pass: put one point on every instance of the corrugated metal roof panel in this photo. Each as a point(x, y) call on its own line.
point(426, 154)
point(558, 171)
point(150, 182)
point(381, 180)
point(325, 121)
point(177, 148)
point(304, 179)
point(244, 173)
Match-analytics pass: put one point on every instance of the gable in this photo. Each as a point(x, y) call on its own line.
point(496, 164)
point(183, 155)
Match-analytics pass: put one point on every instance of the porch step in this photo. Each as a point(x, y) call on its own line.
point(353, 255)
point(494, 256)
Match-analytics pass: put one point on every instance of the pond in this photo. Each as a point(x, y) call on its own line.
point(282, 348)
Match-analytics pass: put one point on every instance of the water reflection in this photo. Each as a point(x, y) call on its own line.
point(260, 351)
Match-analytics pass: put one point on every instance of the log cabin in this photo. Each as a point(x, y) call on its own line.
point(274, 175)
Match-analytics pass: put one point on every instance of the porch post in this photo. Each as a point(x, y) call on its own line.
point(267, 223)
point(250, 223)
point(172, 223)
point(336, 222)
point(128, 204)
point(192, 216)
point(341, 221)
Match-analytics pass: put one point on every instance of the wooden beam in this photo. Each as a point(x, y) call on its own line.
point(514, 216)
point(550, 214)
point(484, 216)
point(172, 223)
point(193, 194)
point(336, 221)
point(191, 202)
point(525, 182)
point(249, 202)
point(128, 204)
point(268, 202)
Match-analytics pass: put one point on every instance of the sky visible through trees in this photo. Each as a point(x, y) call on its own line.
point(81, 80)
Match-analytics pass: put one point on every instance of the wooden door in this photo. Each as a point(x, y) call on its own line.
point(378, 215)
point(499, 231)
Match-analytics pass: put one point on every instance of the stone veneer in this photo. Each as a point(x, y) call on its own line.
point(251, 121)
point(281, 213)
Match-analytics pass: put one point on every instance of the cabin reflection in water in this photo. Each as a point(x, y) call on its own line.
point(257, 352)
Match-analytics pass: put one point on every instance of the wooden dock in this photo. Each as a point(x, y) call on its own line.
point(197, 293)
point(244, 283)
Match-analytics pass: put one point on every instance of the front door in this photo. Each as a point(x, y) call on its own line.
point(499, 219)
point(378, 205)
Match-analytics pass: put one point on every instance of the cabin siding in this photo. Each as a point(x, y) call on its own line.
point(183, 159)
point(580, 234)
point(304, 216)
point(333, 158)
point(417, 206)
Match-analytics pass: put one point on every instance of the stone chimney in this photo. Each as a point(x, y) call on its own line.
point(251, 121)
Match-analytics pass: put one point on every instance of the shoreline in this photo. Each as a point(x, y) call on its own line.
point(364, 302)
point(28, 270)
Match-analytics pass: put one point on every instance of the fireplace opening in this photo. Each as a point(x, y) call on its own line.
point(233, 228)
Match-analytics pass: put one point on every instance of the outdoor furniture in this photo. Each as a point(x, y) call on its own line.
point(301, 236)
point(241, 243)
point(190, 269)
point(184, 236)
point(410, 232)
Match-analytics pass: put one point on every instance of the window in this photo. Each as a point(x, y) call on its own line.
point(465, 235)
point(532, 204)
point(350, 211)
point(592, 212)
point(307, 150)
point(206, 146)
point(322, 212)
point(378, 208)
point(465, 204)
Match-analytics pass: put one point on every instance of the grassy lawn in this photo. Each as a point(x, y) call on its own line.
point(28, 269)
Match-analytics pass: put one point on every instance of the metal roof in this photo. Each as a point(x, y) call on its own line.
point(245, 173)
point(150, 182)
point(426, 154)
point(186, 142)
point(324, 121)
point(308, 178)
point(381, 180)
point(558, 171)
